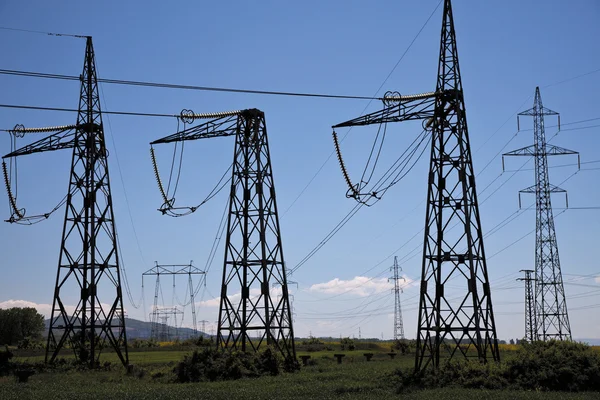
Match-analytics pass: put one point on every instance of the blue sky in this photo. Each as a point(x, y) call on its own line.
point(505, 48)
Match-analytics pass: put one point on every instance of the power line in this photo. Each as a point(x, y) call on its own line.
point(42, 32)
point(138, 114)
point(572, 78)
point(363, 111)
point(44, 75)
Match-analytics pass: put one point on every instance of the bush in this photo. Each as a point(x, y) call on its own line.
point(28, 344)
point(347, 343)
point(214, 365)
point(5, 363)
point(404, 346)
point(555, 365)
point(545, 366)
point(142, 343)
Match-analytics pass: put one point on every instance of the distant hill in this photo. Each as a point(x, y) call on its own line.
point(591, 342)
point(137, 329)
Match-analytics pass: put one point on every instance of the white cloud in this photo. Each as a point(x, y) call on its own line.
point(359, 286)
point(235, 298)
point(44, 309)
point(597, 279)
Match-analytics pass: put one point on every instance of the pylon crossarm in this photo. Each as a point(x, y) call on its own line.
point(64, 138)
point(402, 108)
point(218, 127)
point(551, 150)
point(536, 111)
point(175, 269)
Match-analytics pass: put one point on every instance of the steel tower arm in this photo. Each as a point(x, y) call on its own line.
point(223, 124)
point(551, 150)
point(174, 269)
point(62, 139)
point(400, 108)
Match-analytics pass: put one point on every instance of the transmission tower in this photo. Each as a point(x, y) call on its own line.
point(253, 251)
point(174, 270)
point(398, 324)
point(463, 322)
point(203, 322)
point(550, 304)
point(160, 329)
point(88, 262)
point(530, 320)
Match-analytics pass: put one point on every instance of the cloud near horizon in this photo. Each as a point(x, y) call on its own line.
point(44, 309)
point(359, 286)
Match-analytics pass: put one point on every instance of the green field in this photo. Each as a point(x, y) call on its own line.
point(355, 378)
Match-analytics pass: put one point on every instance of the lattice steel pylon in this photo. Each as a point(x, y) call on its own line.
point(398, 323)
point(173, 270)
point(160, 329)
point(550, 304)
point(88, 265)
point(460, 322)
point(530, 320)
point(250, 314)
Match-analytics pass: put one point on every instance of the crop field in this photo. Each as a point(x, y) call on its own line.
point(152, 378)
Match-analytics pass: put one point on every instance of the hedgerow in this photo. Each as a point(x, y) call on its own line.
point(540, 366)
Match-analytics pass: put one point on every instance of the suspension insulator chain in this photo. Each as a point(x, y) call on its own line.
point(11, 199)
point(352, 188)
point(167, 202)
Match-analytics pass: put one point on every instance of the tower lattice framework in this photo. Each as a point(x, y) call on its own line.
point(530, 320)
point(88, 268)
point(459, 321)
point(173, 270)
point(398, 322)
point(550, 303)
point(251, 315)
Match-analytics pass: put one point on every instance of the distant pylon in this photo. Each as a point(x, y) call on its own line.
point(530, 320)
point(550, 304)
point(398, 323)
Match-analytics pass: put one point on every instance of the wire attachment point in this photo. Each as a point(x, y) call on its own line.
point(186, 116)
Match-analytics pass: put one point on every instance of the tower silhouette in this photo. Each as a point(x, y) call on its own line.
point(463, 322)
point(551, 307)
point(251, 315)
point(530, 320)
point(398, 323)
point(88, 264)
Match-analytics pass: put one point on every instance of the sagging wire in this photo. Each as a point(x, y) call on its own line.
point(364, 182)
point(168, 206)
point(126, 280)
point(213, 251)
point(395, 173)
point(17, 215)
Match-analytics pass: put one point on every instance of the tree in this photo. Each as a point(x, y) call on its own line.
point(20, 323)
point(512, 341)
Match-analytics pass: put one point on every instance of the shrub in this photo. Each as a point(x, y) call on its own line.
point(404, 346)
point(214, 365)
point(347, 343)
point(555, 365)
point(5, 363)
point(552, 365)
point(142, 343)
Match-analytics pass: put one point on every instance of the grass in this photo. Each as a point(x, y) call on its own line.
point(355, 378)
point(135, 357)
